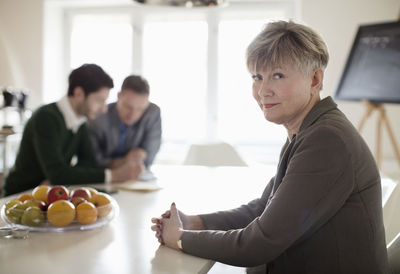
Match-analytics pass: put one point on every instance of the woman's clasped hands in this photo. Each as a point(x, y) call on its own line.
point(172, 224)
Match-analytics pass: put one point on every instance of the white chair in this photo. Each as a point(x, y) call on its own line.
point(394, 254)
point(215, 154)
point(391, 210)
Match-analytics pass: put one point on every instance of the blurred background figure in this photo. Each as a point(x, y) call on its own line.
point(130, 130)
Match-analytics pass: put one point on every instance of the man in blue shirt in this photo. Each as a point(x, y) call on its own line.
point(130, 130)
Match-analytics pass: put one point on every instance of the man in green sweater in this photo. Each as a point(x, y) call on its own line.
point(55, 146)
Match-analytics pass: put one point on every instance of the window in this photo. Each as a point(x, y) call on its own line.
point(194, 61)
point(178, 85)
point(105, 40)
point(240, 121)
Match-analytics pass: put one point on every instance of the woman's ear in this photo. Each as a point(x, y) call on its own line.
point(317, 79)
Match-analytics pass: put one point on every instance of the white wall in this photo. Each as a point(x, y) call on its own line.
point(21, 46)
point(337, 21)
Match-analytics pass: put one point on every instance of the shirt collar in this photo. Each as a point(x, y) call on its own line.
point(72, 121)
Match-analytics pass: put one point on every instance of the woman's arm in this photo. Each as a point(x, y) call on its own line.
point(318, 181)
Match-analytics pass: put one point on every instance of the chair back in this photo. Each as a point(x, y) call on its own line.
point(391, 213)
point(394, 255)
point(215, 154)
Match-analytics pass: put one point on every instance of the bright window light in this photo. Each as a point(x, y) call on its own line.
point(240, 120)
point(175, 63)
point(177, 54)
point(105, 40)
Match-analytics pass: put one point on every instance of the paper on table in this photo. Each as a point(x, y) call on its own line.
point(146, 176)
point(139, 186)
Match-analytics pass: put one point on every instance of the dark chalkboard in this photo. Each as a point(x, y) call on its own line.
point(372, 71)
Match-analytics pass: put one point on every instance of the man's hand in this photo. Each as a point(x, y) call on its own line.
point(45, 182)
point(136, 155)
point(116, 163)
point(129, 171)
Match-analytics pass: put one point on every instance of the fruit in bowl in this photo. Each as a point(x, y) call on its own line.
point(32, 216)
point(15, 212)
point(81, 192)
point(40, 193)
point(12, 203)
point(71, 213)
point(61, 213)
point(103, 203)
point(77, 200)
point(25, 196)
point(91, 190)
point(36, 203)
point(86, 213)
point(57, 193)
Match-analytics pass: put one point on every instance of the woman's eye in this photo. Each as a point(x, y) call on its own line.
point(256, 77)
point(277, 75)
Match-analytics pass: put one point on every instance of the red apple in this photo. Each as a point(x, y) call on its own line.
point(81, 192)
point(77, 200)
point(57, 193)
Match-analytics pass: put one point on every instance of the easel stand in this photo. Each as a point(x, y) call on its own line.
point(382, 119)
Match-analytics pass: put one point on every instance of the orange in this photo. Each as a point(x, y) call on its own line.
point(40, 193)
point(91, 190)
point(25, 196)
point(86, 213)
point(102, 202)
point(61, 213)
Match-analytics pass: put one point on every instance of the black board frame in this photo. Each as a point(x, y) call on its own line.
point(348, 88)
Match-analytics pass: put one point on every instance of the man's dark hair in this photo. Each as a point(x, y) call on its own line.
point(137, 84)
point(90, 77)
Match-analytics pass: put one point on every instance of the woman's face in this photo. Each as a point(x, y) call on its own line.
point(286, 95)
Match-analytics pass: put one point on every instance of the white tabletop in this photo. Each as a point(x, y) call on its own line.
point(127, 244)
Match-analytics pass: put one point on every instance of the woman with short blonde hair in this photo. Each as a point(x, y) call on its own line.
point(322, 211)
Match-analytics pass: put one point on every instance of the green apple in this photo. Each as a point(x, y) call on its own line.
point(15, 213)
point(32, 216)
point(10, 204)
point(36, 203)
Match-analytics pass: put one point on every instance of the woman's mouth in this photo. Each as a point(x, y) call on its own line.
point(269, 105)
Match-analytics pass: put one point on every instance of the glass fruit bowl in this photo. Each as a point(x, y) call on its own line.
point(60, 216)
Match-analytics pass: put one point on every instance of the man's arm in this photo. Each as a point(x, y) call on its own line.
point(152, 137)
point(98, 132)
point(86, 155)
point(48, 141)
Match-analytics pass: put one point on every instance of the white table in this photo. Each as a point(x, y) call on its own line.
point(127, 244)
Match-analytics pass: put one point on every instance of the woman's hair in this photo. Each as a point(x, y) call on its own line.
point(282, 43)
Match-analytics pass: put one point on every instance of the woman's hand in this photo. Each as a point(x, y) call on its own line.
point(189, 222)
point(172, 228)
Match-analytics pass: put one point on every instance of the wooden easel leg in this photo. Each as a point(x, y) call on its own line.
point(382, 120)
point(378, 141)
point(370, 109)
point(391, 135)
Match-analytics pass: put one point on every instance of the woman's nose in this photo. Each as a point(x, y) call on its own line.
point(265, 89)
